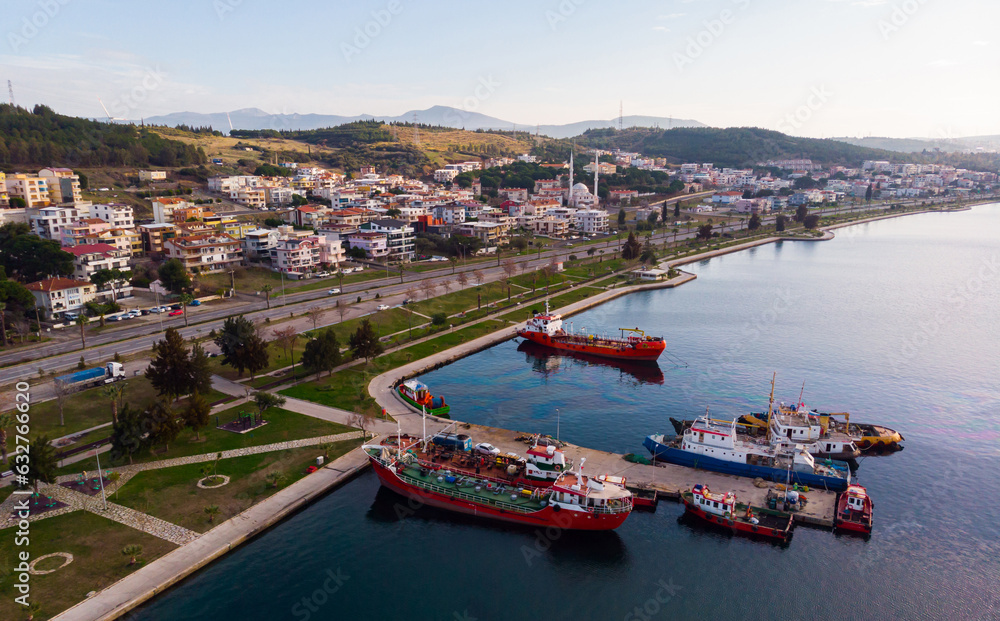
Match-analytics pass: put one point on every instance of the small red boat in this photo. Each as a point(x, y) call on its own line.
point(723, 510)
point(546, 329)
point(855, 510)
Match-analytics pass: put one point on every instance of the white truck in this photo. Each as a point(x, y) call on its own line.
point(111, 372)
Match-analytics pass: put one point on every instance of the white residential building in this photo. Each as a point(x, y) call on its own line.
point(591, 221)
point(48, 222)
point(61, 295)
point(117, 215)
point(257, 243)
point(88, 259)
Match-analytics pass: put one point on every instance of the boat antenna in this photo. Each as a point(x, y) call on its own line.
point(770, 405)
point(557, 424)
point(801, 392)
point(423, 418)
point(583, 460)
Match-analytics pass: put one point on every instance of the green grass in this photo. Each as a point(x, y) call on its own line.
point(460, 301)
point(172, 494)
point(282, 426)
point(385, 322)
point(86, 409)
point(95, 543)
point(347, 389)
point(276, 359)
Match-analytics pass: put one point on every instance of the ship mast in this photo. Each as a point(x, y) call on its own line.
point(770, 404)
point(801, 392)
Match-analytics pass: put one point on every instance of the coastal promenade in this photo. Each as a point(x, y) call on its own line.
point(161, 574)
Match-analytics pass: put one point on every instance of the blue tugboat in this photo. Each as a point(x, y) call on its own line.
point(714, 445)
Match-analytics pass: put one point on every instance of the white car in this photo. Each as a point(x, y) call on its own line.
point(383, 307)
point(485, 448)
point(333, 291)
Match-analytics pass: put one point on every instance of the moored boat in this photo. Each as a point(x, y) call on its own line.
point(547, 329)
point(724, 510)
point(855, 510)
point(418, 396)
point(575, 501)
point(715, 445)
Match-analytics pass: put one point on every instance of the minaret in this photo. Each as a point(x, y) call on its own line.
point(569, 198)
point(597, 167)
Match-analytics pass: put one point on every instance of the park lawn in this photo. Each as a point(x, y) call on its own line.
point(348, 389)
point(282, 426)
point(459, 301)
point(385, 322)
point(86, 409)
point(95, 543)
point(172, 493)
point(276, 360)
point(331, 282)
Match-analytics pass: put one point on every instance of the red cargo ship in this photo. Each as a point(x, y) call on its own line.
point(546, 329)
point(574, 502)
point(855, 509)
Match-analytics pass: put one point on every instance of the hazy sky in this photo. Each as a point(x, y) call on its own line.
point(840, 67)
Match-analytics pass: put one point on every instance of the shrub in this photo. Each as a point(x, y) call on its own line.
point(439, 319)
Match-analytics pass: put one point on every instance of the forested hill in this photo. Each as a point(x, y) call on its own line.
point(732, 146)
point(40, 137)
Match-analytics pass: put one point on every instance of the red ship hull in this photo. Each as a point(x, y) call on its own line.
point(548, 516)
point(626, 349)
point(737, 525)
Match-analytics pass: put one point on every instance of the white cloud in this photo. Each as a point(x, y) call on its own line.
point(942, 62)
point(980, 43)
point(671, 16)
point(661, 28)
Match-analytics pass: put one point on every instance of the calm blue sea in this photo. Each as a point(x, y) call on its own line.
point(896, 321)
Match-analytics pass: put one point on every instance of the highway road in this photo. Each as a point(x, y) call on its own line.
point(140, 336)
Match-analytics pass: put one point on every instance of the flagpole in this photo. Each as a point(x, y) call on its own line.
point(101, 476)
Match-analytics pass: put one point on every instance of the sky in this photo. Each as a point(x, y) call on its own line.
point(820, 68)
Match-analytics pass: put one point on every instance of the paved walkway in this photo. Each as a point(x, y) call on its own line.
point(170, 569)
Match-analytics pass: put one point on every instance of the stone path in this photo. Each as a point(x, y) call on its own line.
point(137, 519)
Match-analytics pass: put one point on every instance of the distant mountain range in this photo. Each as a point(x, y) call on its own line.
point(968, 144)
point(255, 118)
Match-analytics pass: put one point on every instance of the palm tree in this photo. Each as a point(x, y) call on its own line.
point(185, 299)
point(133, 551)
point(211, 511)
point(275, 478)
point(6, 420)
point(453, 261)
point(266, 290)
point(3, 324)
point(114, 392)
point(81, 321)
point(33, 609)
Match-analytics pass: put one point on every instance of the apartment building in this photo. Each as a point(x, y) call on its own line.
point(490, 233)
point(445, 175)
point(375, 245)
point(249, 196)
point(148, 176)
point(302, 254)
point(33, 190)
point(4, 196)
point(164, 207)
point(77, 232)
point(211, 252)
point(88, 259)
point(116, 214)
point(401, 238)
point(257, 243)
point(48, 222)
point(591, 221)
point(58, 296)
point(153, 235)
point(63, 185)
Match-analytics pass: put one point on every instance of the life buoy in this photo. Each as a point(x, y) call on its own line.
point(556, 508)
point(558, 468)
point(754, 528)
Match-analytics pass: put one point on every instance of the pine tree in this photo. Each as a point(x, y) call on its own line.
point(322, 353)
point(201, 372)
point(364, 342)
point(162, 424)
point(195, 414)
point(127, 434)
point(170, 369)
point(632, 248)
point(241, 345)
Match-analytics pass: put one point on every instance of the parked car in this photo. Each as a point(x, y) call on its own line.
point(174, 313)
point(485, 448)
point(405, 302)
point(71, 316)
point(333, 291)
point(383, 307)
point(175, 307)
point(145, 311)
point(195, 303)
